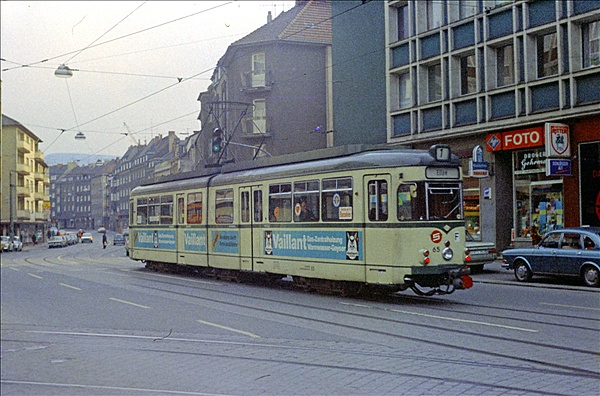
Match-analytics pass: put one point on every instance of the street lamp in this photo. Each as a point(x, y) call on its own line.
point(11, 206)
point(63, 71)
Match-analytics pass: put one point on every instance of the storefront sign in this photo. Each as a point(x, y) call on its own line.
point(477, 166)
point(514, 140)
point(531, 161)
point(557, 140)
point(558, 167)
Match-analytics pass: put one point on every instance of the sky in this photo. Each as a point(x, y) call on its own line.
point(138, 67)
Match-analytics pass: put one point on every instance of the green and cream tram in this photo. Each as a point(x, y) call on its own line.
point(382, 217)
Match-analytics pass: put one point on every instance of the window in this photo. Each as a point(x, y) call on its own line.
point(408, 205)
point(154, 210)
point(224, 206)
point(402, 13)
point(444, 201)
point(336, 199)
point(245, 202)
point(194, 208)
point(180, 210)
point(378, 200)
point(547, 55)
point(306, 201)
point(166, 209)
point(468, 81)
point(591, 44)
point(551, 241)
point(258, 70)
point(505, 66)
point(571, 241)
point(280, 202)
point(405, 91)
point(467, 8)
point(435, 14)
point(434, 82)
point(258, 206)
point(259, 116)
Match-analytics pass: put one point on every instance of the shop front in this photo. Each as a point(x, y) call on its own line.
point(538, 174)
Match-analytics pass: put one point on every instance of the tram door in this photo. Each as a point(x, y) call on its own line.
point(377, 213)
point(180, 221)
point(251, 216)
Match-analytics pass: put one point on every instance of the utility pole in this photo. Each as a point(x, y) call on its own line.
point(11, 206)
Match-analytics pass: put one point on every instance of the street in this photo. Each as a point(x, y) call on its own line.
point(86, 320)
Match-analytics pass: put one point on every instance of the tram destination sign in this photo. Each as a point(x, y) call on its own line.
point(442, 173)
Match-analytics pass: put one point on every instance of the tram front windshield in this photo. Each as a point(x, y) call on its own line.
point(429, 201)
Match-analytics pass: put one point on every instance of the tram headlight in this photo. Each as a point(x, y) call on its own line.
point(447, 254)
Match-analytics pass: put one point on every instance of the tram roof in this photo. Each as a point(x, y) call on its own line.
point(347, 158)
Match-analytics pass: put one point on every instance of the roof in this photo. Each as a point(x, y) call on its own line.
point(306, 22)
point(7, 121)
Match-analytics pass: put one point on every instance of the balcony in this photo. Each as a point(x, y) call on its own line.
point(42, 216)
point(256, 127)
point(23, 191)
point(23, 169)
point(22, 147)
point(24, 215)
point(40, 196)
point(39, 158)
point(257, 81)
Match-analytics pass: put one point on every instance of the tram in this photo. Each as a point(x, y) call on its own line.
point(385, 218)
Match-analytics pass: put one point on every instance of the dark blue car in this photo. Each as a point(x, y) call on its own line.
point(569, 251)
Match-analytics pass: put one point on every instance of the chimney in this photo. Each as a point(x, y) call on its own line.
point(171, 141)
point(269, 17)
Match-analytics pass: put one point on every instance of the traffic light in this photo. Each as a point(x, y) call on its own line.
point(217, 140)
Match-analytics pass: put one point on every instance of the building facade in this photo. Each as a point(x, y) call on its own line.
point(521, 80)
point(25, 183)
point(270, 92)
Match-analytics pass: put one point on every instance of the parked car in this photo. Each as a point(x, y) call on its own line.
point(101, 230)
point(119, 239)
point(7, 245)
point(17, 244)
point(57, 241)
point(569, 251)
point(480, 253)
point(86, 237)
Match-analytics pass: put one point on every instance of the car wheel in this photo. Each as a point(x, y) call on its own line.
point(591, 276)
point(522, 272)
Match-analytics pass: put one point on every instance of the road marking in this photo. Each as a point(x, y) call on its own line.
point(128, 302)
point(228, 328)
point(69, 286)
point(570, 306)
point(35, 276)
point(107, 388)
point(67, 261)
point(465, 321)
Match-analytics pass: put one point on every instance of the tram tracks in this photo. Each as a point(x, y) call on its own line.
point(563, 369)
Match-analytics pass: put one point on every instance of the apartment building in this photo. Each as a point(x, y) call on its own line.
point(517, 83)
point(25, 182)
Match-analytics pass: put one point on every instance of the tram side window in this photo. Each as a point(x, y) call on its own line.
point(142, 211)
point(258, 206)
point(224, 206)
point(154, 210)
point(245, 198)
point(336, 199)
point(180, 210)
point(306, 201)
point(166, 209)
point(411, 202)
point(131, 212)
point(444, 201)
point(280, 202)
point(194, 208)
point(378, 200)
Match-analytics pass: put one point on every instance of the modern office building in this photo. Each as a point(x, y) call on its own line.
point(521, 80)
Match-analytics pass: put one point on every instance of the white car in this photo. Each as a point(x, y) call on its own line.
point(57, 241)
point(7, 245)
point(87, 237)
point(17, 244)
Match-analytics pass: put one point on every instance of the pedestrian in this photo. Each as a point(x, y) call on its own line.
point(104, 241)
point(536, 238)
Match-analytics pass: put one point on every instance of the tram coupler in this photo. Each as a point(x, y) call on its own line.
point(461, 279)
